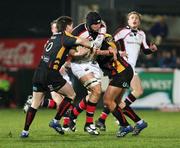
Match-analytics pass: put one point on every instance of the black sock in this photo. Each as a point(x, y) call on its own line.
point(45, 103)
point(120, 116)
point(63, 107)
point(49, 103)
point(68, 112)
point(29, 118)
point(131, 114)
point(104, 115)
point(130, 99)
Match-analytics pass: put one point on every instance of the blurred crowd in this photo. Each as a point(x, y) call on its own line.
point(162, 59)
point(157, 31)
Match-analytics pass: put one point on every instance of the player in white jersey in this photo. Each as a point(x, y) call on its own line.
point(131, 40)
point(87, 70)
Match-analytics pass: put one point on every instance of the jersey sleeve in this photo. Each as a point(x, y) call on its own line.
point(75, 32)
point(144, 42)
point(105, 45)
point(69, 41)
point(118, 36)
point(78, 30)
point(145, 47)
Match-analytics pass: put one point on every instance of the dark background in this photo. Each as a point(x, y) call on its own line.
point(32, 18)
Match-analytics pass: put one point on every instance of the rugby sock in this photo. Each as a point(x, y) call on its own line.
point(120, 116)
point(66, 118)
point(29, 118)
point(66, 121)
point(90, 109)
point(130, 99)
point(52, 103)
point(104, 115)
point(45, 102)
point(131, 114)
point(79, 108)
point(49, 103)
point(63, 107)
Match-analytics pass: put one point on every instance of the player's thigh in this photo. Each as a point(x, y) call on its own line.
point(136, 83)
point(67, 91)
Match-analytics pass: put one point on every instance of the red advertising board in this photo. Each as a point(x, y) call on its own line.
point(21, 53)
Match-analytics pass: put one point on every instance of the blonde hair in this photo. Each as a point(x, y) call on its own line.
point(134, 12)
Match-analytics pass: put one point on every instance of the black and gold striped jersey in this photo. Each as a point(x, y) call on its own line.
point(57, 49)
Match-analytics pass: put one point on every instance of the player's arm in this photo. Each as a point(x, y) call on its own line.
point(79, 51)
point(84, 42)
point(110, 50)
point(148, 49)
point(66, 65)
point(70, 40)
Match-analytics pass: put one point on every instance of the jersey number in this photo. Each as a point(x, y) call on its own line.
point(49, 46)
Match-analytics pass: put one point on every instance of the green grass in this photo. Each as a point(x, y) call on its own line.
point(163, 132)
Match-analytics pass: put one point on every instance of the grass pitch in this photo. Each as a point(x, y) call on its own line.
point(163, 132)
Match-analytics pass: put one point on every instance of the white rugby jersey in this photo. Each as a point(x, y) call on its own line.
point(83, 32)
point(131, 42)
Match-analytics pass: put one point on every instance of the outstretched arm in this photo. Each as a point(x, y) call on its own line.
point(84, 42)
point(79, 51)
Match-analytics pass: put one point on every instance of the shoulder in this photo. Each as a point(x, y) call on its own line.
point(123, 30)
point(141, 32)
point(79, 29)
point(69, 35)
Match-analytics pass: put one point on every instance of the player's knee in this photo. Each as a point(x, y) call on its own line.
point(108, 104)
point(96, 91)
point(72, 96)
point(36, 102)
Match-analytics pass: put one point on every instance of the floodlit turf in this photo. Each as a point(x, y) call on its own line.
point(163, 131)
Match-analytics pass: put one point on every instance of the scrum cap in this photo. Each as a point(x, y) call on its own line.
point(93, 18)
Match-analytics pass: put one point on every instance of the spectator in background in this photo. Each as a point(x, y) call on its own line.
point(166, 60)
point(147, 61)
point(159, 30)
point(178, 62)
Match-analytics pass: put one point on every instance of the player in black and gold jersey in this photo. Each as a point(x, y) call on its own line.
point(120, 74)
point(47, 76)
